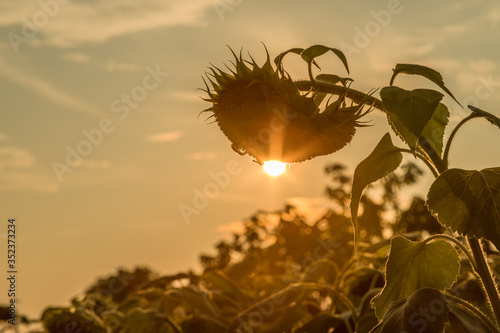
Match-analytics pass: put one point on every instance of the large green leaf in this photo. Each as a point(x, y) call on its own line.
point(383, 160)
point(426, 310)
point(415, 265)
point(424, 71)
point(409, 111)
point(434, 130)
point(317, 50)
point(468, 202)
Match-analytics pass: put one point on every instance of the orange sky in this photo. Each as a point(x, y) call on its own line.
point(123, 75)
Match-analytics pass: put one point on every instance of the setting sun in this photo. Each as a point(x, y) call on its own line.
point(274, 168)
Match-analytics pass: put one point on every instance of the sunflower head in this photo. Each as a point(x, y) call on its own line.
point(263, 114)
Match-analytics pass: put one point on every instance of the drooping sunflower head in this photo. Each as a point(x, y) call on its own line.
point(263, 114)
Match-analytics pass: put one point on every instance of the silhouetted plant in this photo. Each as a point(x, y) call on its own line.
point(419, 272)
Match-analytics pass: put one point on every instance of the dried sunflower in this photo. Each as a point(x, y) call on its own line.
point(263, 114)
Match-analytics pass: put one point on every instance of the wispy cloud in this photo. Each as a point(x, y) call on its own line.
point(200, 156)
point(32, 181)
point(166, 136)
point(76, 57)
point(233, 227)
point(186, 96)
point(19, 172)
point(13, 157)
point(81, 22)
point(146, 226)
point(110, 65)
point(45, 89)
point(95, 164)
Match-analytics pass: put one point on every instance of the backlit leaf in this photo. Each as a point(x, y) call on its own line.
point(490, 117)
point(424, 71)
point(434, 130)
point(383, 160)
point(317, 50)
point(468, 202)
point(409, 111)
point(426, 310)
point(415, 265)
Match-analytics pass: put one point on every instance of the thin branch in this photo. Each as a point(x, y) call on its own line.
point(452, 136)
point(360, 97)
point(422, 158)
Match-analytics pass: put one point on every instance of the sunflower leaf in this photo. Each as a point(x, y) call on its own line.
point(434, 130)
point(426, 310)
point(317, 50)
point(409, 111)
point(383, 160)
point(491, 118)
point(424, 71)
point(415, 265)
point(468, 202)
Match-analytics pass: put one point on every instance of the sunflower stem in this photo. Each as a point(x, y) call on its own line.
point(484, 272)
point(452, 136)
point(360, 97)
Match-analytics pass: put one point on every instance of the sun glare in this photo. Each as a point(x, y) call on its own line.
point(274, 168)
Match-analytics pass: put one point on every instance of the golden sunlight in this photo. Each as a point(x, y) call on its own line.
point(274, 168)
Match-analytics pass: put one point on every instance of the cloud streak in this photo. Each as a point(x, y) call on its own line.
point(12, 157)
point(165, 137)
point(83, 22)
point(45, 89)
